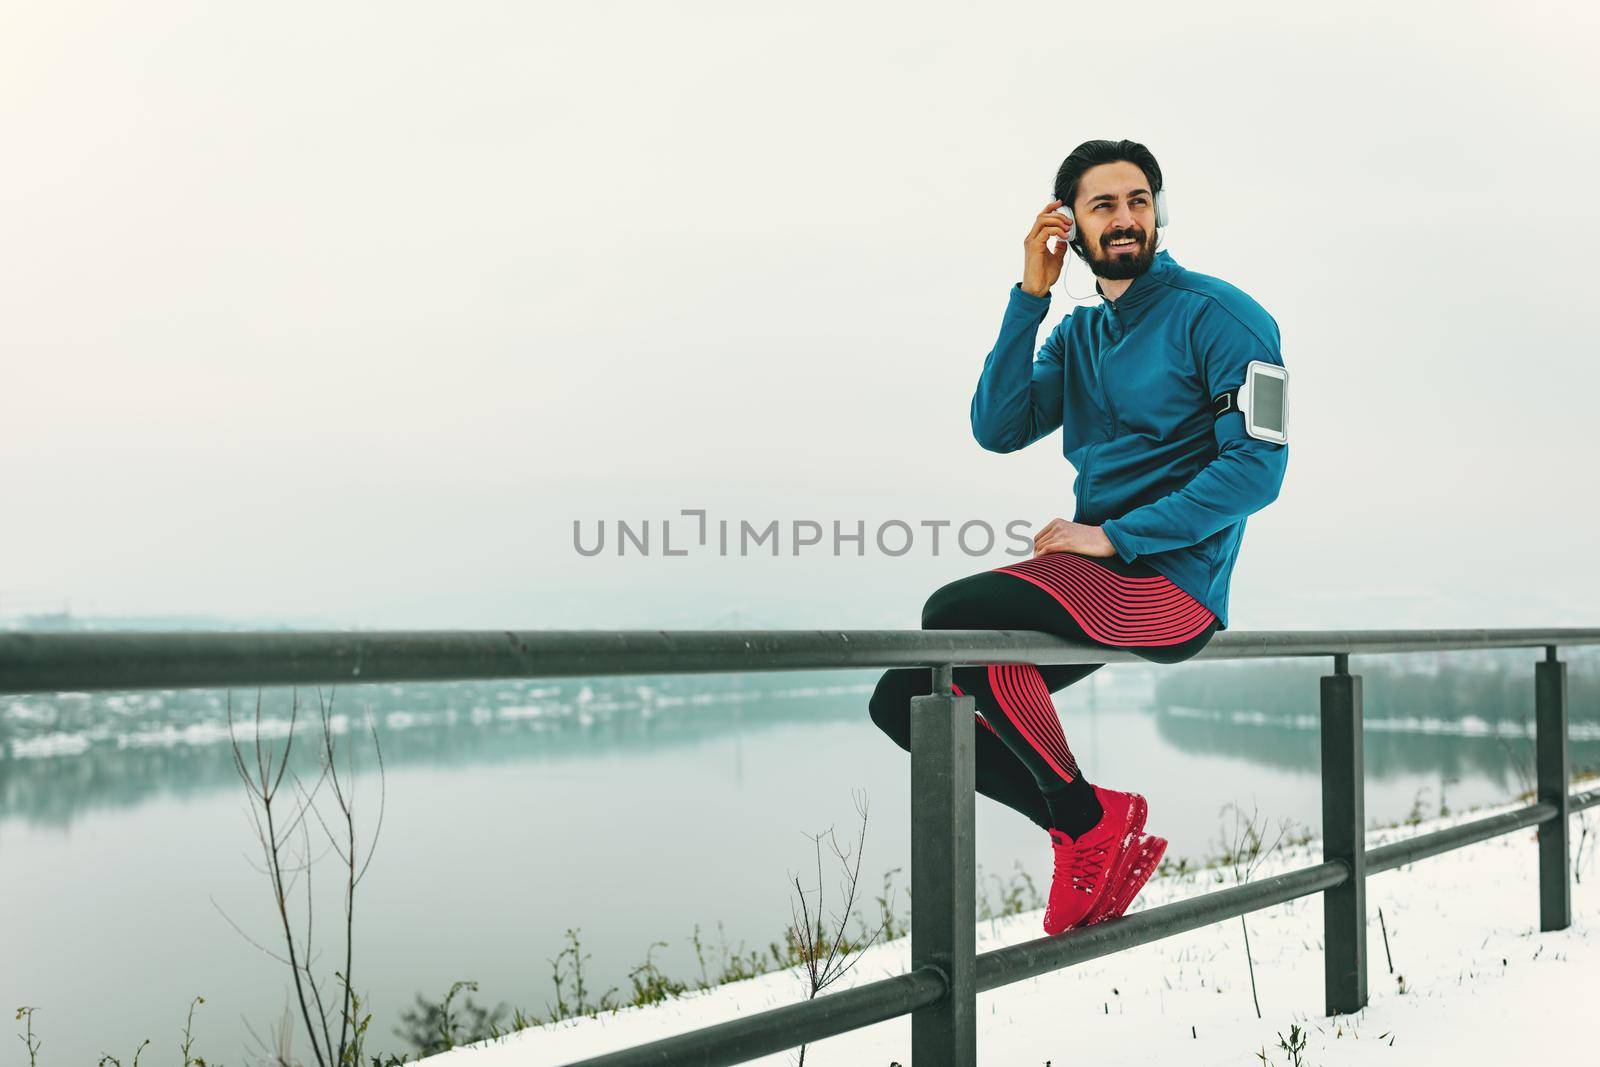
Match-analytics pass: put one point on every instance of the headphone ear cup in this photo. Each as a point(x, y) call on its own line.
point(1072, 224)
point(1161, 208)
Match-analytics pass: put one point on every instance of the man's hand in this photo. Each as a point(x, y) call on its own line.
point(1059, 535)
point(1040, 266)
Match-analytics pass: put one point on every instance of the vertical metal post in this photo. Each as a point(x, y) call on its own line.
point(943, 872)
point(1344, 907)
point(1550, 759)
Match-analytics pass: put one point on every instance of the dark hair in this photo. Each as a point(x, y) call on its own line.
point(1092, 154)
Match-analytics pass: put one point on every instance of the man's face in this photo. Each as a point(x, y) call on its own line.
point(1114, 202)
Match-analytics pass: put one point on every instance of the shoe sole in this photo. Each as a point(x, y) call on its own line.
point(1147, 853)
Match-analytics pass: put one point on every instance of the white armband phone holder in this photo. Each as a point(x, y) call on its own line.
point(1263, 400)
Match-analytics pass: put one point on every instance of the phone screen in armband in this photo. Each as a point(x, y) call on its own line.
point(1263, 400)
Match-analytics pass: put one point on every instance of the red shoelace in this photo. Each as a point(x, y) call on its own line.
point(1081, 865)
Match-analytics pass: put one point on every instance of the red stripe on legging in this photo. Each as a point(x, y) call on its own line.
point(1020, 691)
point(1118, 606)
point(1041, 712)
point(1044, 708)
point(1115, 609)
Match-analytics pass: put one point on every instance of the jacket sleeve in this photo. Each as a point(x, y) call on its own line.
point(1243, 477)
point(1018, 398)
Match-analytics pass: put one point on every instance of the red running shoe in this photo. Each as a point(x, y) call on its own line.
point(1084, 865)
point(1142, 858)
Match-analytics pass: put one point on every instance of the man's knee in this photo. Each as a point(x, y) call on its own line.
point(948, 607)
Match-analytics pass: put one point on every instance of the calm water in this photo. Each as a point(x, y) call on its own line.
point(504, 828)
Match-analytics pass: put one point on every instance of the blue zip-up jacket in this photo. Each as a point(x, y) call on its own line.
point(1130, 383)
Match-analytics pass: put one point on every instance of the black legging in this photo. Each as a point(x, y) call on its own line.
point(1022, 756)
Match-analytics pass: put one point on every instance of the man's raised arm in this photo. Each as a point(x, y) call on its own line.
point(1018, 399)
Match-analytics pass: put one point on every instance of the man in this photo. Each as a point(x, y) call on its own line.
point(1163, 488)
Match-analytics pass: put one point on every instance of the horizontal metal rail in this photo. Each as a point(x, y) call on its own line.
point(779, 1029)
point(87, 662)
point(1043, 955)
point(1398, 853)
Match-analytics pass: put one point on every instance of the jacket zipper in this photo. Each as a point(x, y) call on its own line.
point(1100, 381)
point(1105, 402)
point(1087, 453)
point(1106, 405)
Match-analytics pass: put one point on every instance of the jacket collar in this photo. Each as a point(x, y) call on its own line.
point(1145, 291)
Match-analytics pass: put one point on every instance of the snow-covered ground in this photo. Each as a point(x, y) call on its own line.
point(1473, 982)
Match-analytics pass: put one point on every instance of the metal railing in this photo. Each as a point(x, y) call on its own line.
point(940, 990)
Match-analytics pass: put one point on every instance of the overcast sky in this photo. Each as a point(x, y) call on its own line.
point(346, 312)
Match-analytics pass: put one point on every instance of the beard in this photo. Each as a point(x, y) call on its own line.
point(1120, 265)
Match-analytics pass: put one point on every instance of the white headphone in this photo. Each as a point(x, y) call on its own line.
point(1072, 233)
